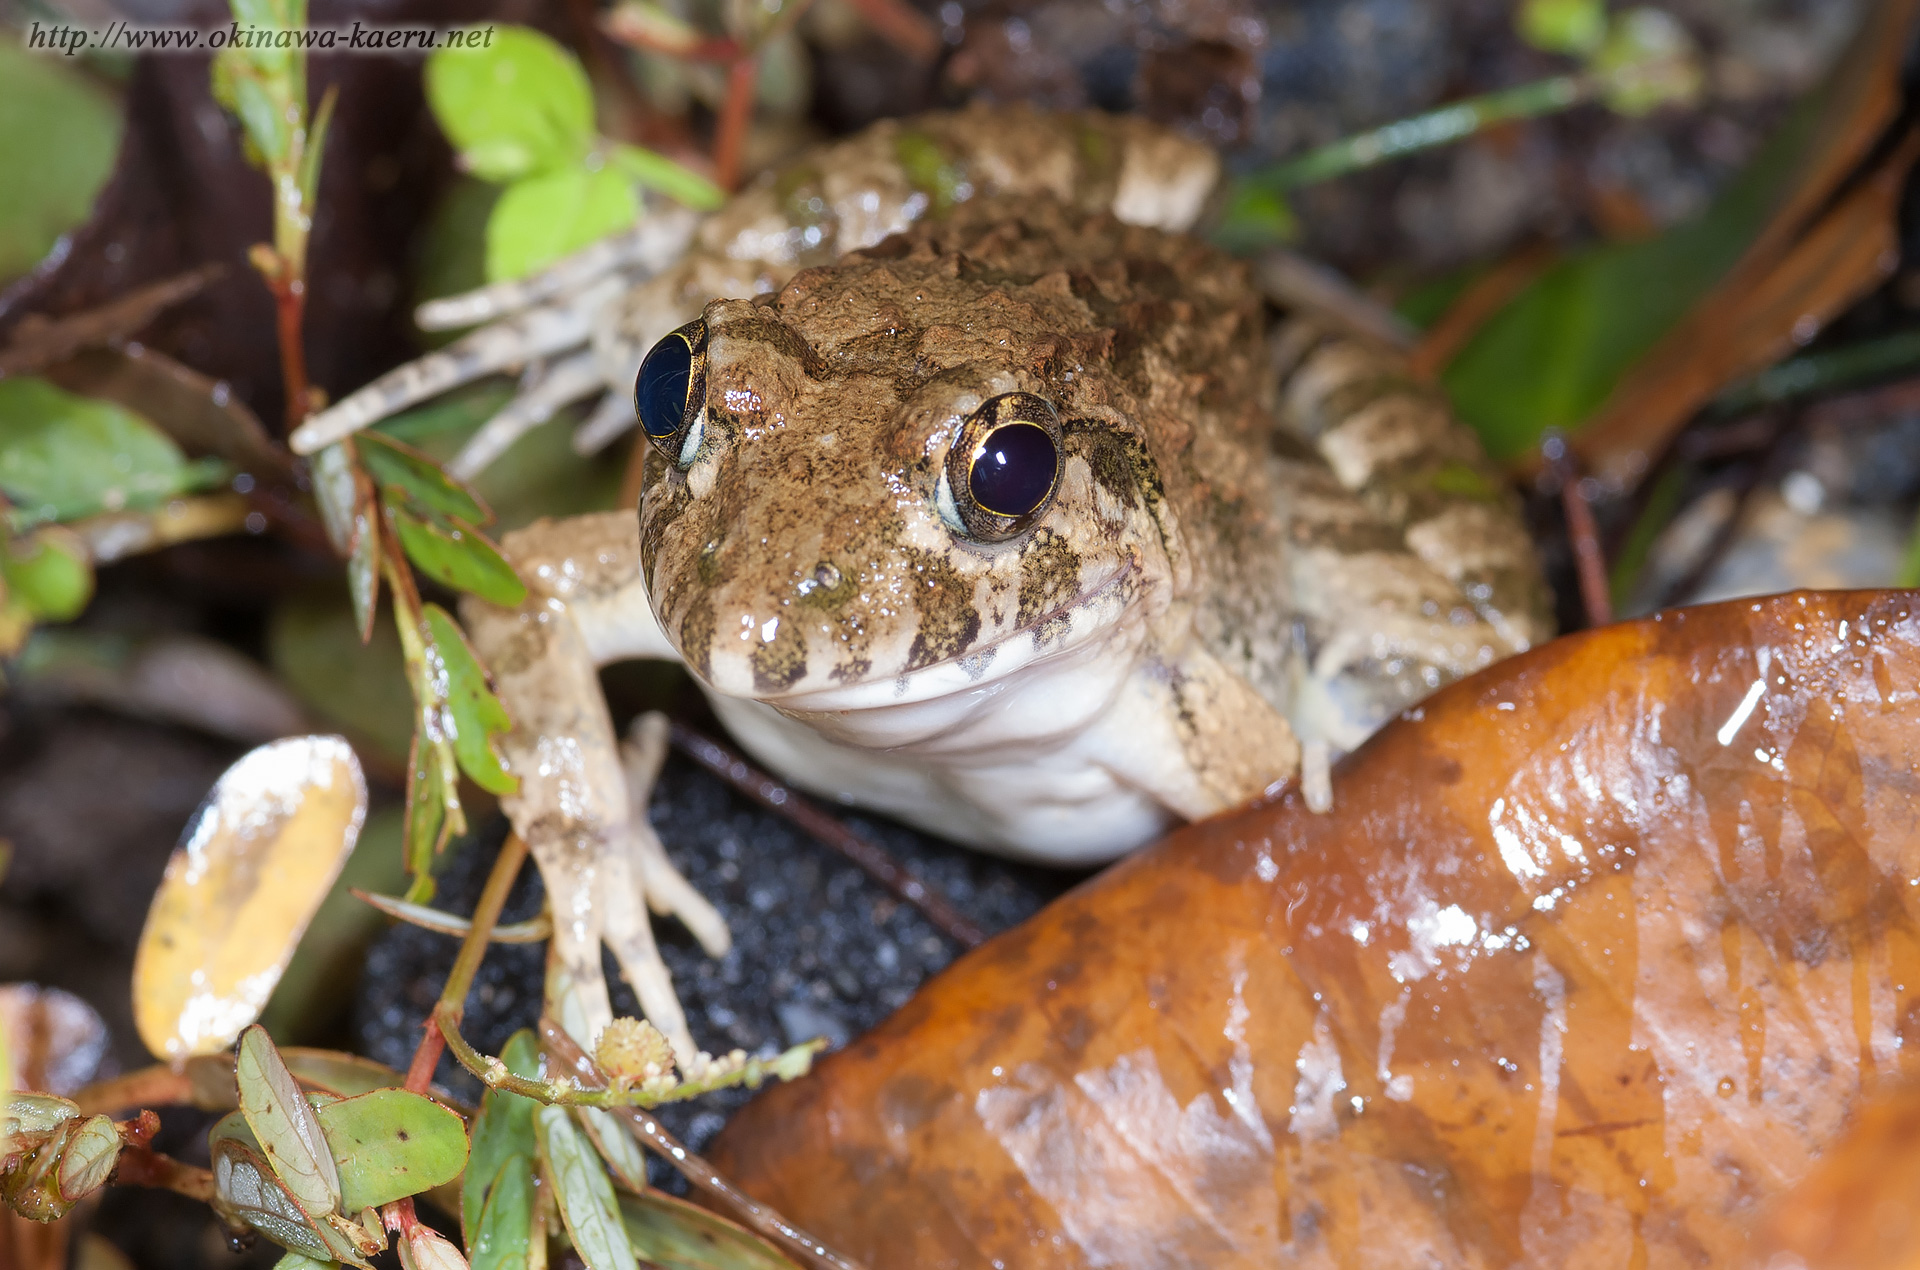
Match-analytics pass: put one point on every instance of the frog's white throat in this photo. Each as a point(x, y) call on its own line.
point(981, 748)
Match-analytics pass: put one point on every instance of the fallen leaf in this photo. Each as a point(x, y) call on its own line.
point(54, 1040)
point(1855, 1210)
point(251, 868)
point(1593, 956)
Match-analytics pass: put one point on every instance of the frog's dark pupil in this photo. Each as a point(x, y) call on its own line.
point(660, 394)
point(1014, 470)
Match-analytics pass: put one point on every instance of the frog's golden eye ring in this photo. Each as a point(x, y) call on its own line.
point(1004, 470)
point(672, 386)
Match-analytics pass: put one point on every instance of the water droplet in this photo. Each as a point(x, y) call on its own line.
point(1726, 1087)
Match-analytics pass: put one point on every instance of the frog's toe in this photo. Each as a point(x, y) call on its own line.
point(668, 892)
point(554, 386)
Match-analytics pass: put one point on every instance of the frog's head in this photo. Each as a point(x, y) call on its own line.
point(900, 477)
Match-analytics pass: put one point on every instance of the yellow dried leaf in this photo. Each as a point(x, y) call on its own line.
point(251, 868)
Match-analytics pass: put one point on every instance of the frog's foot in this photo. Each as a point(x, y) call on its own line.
point(668, 893)
point(602, 865)
point(545, 325)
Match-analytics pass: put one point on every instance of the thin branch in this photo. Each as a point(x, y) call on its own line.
point(828, 831)
point(650, 1133)
point(1589, 560)
point(143, 1166)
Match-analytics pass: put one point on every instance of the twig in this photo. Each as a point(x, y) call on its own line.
point(730, 133)
point(1589, 560)
point(871, 858)
point(40, 341)
point(143, 1166)
point(473, 949)
point(699, 1173)
point(750, 1072)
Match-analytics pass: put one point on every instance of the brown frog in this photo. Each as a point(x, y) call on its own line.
point(984, 496)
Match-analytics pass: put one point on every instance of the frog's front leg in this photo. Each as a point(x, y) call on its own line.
point(585, 607)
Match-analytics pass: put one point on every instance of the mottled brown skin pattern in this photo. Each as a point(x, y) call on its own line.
point(832, 403)
point(1594, 985)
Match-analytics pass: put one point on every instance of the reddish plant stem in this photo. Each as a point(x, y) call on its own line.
point(1589, 561)
point(874, 861)
point(901, 26)
point(289, 305)
point(453, 996)
point(730, 134)
point(142, 1166)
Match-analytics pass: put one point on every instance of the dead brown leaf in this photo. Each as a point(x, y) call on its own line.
point(1595, 953)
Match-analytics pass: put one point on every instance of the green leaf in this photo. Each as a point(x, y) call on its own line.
point(505, 1226)
point(502, 1131)
point(518, 107)
point(392, 1143)
point(89, 1157)
point(285, 1125)
point(675, 1235)
point(1550, 359)
point(585, 1196)
point(291, 1260)
point(428, 823)
point(1574, 27)
point(58, 135)
point(63, 457)
point(458, 556)
point(676, 181)
point(401, 468)
point(543, 217)
point(478, 716)
point(49, 574)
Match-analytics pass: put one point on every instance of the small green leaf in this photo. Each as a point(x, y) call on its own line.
point(392, 1143)
point(285, 1125)
point(505, 1226)
point(520, 106)
point(478, 716)
point(617, 1147)
point(676, 181)
point(49, 573)
point(1573, 27)
point(1648, 61)
point(316, 146)
point(503, 1130)
point(59, 125)
point(428, 824)
point(399, 467)
point(458, 556)
point(64, 456)
point(246, 1190)
point(675, 1235)
point(543, 217)
point(291, 1260)
point(585, 1196)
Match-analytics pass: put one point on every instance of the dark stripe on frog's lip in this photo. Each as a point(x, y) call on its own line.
point(984, 660)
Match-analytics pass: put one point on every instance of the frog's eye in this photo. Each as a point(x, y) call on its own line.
point(1006, 465)
point(671, 386)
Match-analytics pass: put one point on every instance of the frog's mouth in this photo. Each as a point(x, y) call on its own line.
point(1067, 632)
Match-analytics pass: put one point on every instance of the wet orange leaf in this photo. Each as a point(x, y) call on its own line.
point(1594, 953)
point(251, 868)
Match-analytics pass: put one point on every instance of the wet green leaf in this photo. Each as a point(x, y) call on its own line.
point(457, 555)
point(585, 1196)
point(334, 492)
point(543, 217)
point(401, 469)
point(63, 456)
point(675, 180)
point(297, 1261)
point(246, 1190)
point(58, 126)
point(617, 1147)
point(392, 1143)
point(505, 1226)
point(265, 87)
point(285, 1125)
point(341, 1074)
point(428, 823)
point(518, 107)
point(478, 716)
point(502, 1131)
point(675, 1235)
point(49, 574)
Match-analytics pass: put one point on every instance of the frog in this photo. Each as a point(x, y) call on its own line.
point(978, 491)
